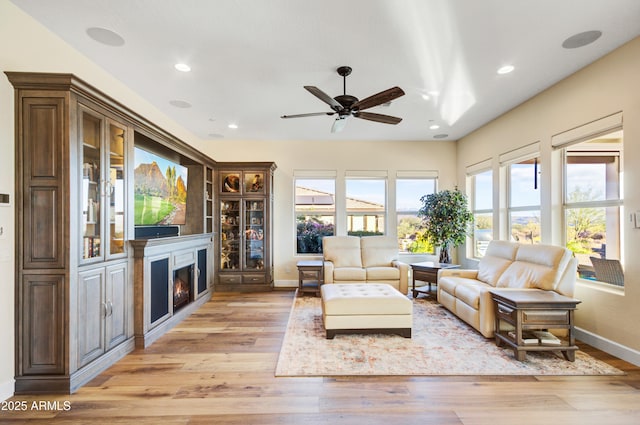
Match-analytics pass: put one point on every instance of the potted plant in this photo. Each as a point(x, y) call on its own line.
point(446, 220)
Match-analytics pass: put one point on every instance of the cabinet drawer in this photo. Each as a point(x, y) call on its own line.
point(506, 313)
point(253, 278)
point(229, 278)
point(545, 317)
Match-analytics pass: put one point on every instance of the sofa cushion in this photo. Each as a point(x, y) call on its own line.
point(342, 251)
point(536, 266)
point(378, 251)
point(470, 293)
point(499, 255)
point(382, 273)
point(349, 274)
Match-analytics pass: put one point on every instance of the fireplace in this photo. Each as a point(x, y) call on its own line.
point(182, 287)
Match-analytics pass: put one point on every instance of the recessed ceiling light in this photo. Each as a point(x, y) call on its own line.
point(440, 136)
point(581, 39)
point(233, 126)
point(506, 69)
point(183, 67)
point(426, 96)
point(434, 127)
point(105, 36)
point(180, 104)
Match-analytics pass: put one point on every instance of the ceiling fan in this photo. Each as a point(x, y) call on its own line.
point(346, 105)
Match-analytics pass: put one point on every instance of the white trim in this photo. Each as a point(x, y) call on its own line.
point(7, 389)
point(315, 173)
point(587, 131)
point(520, 154)
point(281, 283)
point(433, 174)
point(479, 167)
point(611, 347)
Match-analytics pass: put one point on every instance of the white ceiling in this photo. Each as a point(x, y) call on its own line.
point(251, 58)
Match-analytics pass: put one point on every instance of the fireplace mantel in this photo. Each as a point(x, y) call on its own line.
point(155, 261)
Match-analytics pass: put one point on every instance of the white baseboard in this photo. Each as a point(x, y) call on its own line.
point(620, 351)
point(7, 389)
point(291, 284)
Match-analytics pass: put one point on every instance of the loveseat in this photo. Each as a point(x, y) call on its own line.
point(505, 265)
point(369, 259)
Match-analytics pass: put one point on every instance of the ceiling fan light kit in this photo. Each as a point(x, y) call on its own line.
point(346, 105)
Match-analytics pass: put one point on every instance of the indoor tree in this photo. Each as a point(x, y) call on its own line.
point(446, 220)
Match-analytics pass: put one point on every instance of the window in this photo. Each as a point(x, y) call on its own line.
point(315, 213)
point(524, 201)
point(482, 208)
point(365, 206)
point(408, 194)
point(593, 203)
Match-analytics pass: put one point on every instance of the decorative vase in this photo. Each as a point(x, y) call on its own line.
point(445, 254)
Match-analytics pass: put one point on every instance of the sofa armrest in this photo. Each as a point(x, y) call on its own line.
point(328, 272)
point(403, 285)
point(466, 273)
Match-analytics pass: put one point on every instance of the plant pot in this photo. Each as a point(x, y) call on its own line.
point(445, 254)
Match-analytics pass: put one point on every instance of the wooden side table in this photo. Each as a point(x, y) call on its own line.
point(310, 276)
point(427, 272)
point(534, 309)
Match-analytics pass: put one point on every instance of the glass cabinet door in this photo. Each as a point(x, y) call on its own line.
point(230, 235)
point(91, 193)
point(115, 189)
point(254, 234)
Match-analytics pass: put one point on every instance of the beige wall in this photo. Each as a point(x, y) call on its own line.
point(606, 318)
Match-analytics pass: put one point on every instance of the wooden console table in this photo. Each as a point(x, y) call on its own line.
point(427, 272)
point(534, 309)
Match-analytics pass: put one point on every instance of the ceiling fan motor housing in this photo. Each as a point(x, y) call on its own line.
point(346, 101)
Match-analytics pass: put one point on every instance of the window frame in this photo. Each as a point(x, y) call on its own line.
point(297, 178)
point(385, 214)
point(577, 148)
point(409, 177)
point(472, 177)
point(510, 209)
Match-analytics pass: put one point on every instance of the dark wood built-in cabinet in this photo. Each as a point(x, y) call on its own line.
point(80, 291)
point(245, 211)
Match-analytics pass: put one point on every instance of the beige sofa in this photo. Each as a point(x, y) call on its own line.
point(370, 259)
point(505, 265)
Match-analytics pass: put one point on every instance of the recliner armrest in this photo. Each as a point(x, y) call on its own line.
point(466, 273)
point(328, 271)
point(403, 285)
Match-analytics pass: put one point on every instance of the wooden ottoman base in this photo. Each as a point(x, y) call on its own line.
point(365, 308)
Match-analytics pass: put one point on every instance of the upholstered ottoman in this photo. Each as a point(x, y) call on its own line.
point(365, 308)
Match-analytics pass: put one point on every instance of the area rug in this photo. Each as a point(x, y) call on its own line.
point(441, 344)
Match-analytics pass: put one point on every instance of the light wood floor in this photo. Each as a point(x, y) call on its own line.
point(217, 367)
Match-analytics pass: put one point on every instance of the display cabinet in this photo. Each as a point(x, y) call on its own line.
point(74, 300)
point(245, 260)
point(103, 152)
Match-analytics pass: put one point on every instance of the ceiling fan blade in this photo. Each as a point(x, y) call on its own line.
point(324, 97)
point(339, 124)
point(387, 119)
point(378, 98)
point(312, 114)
